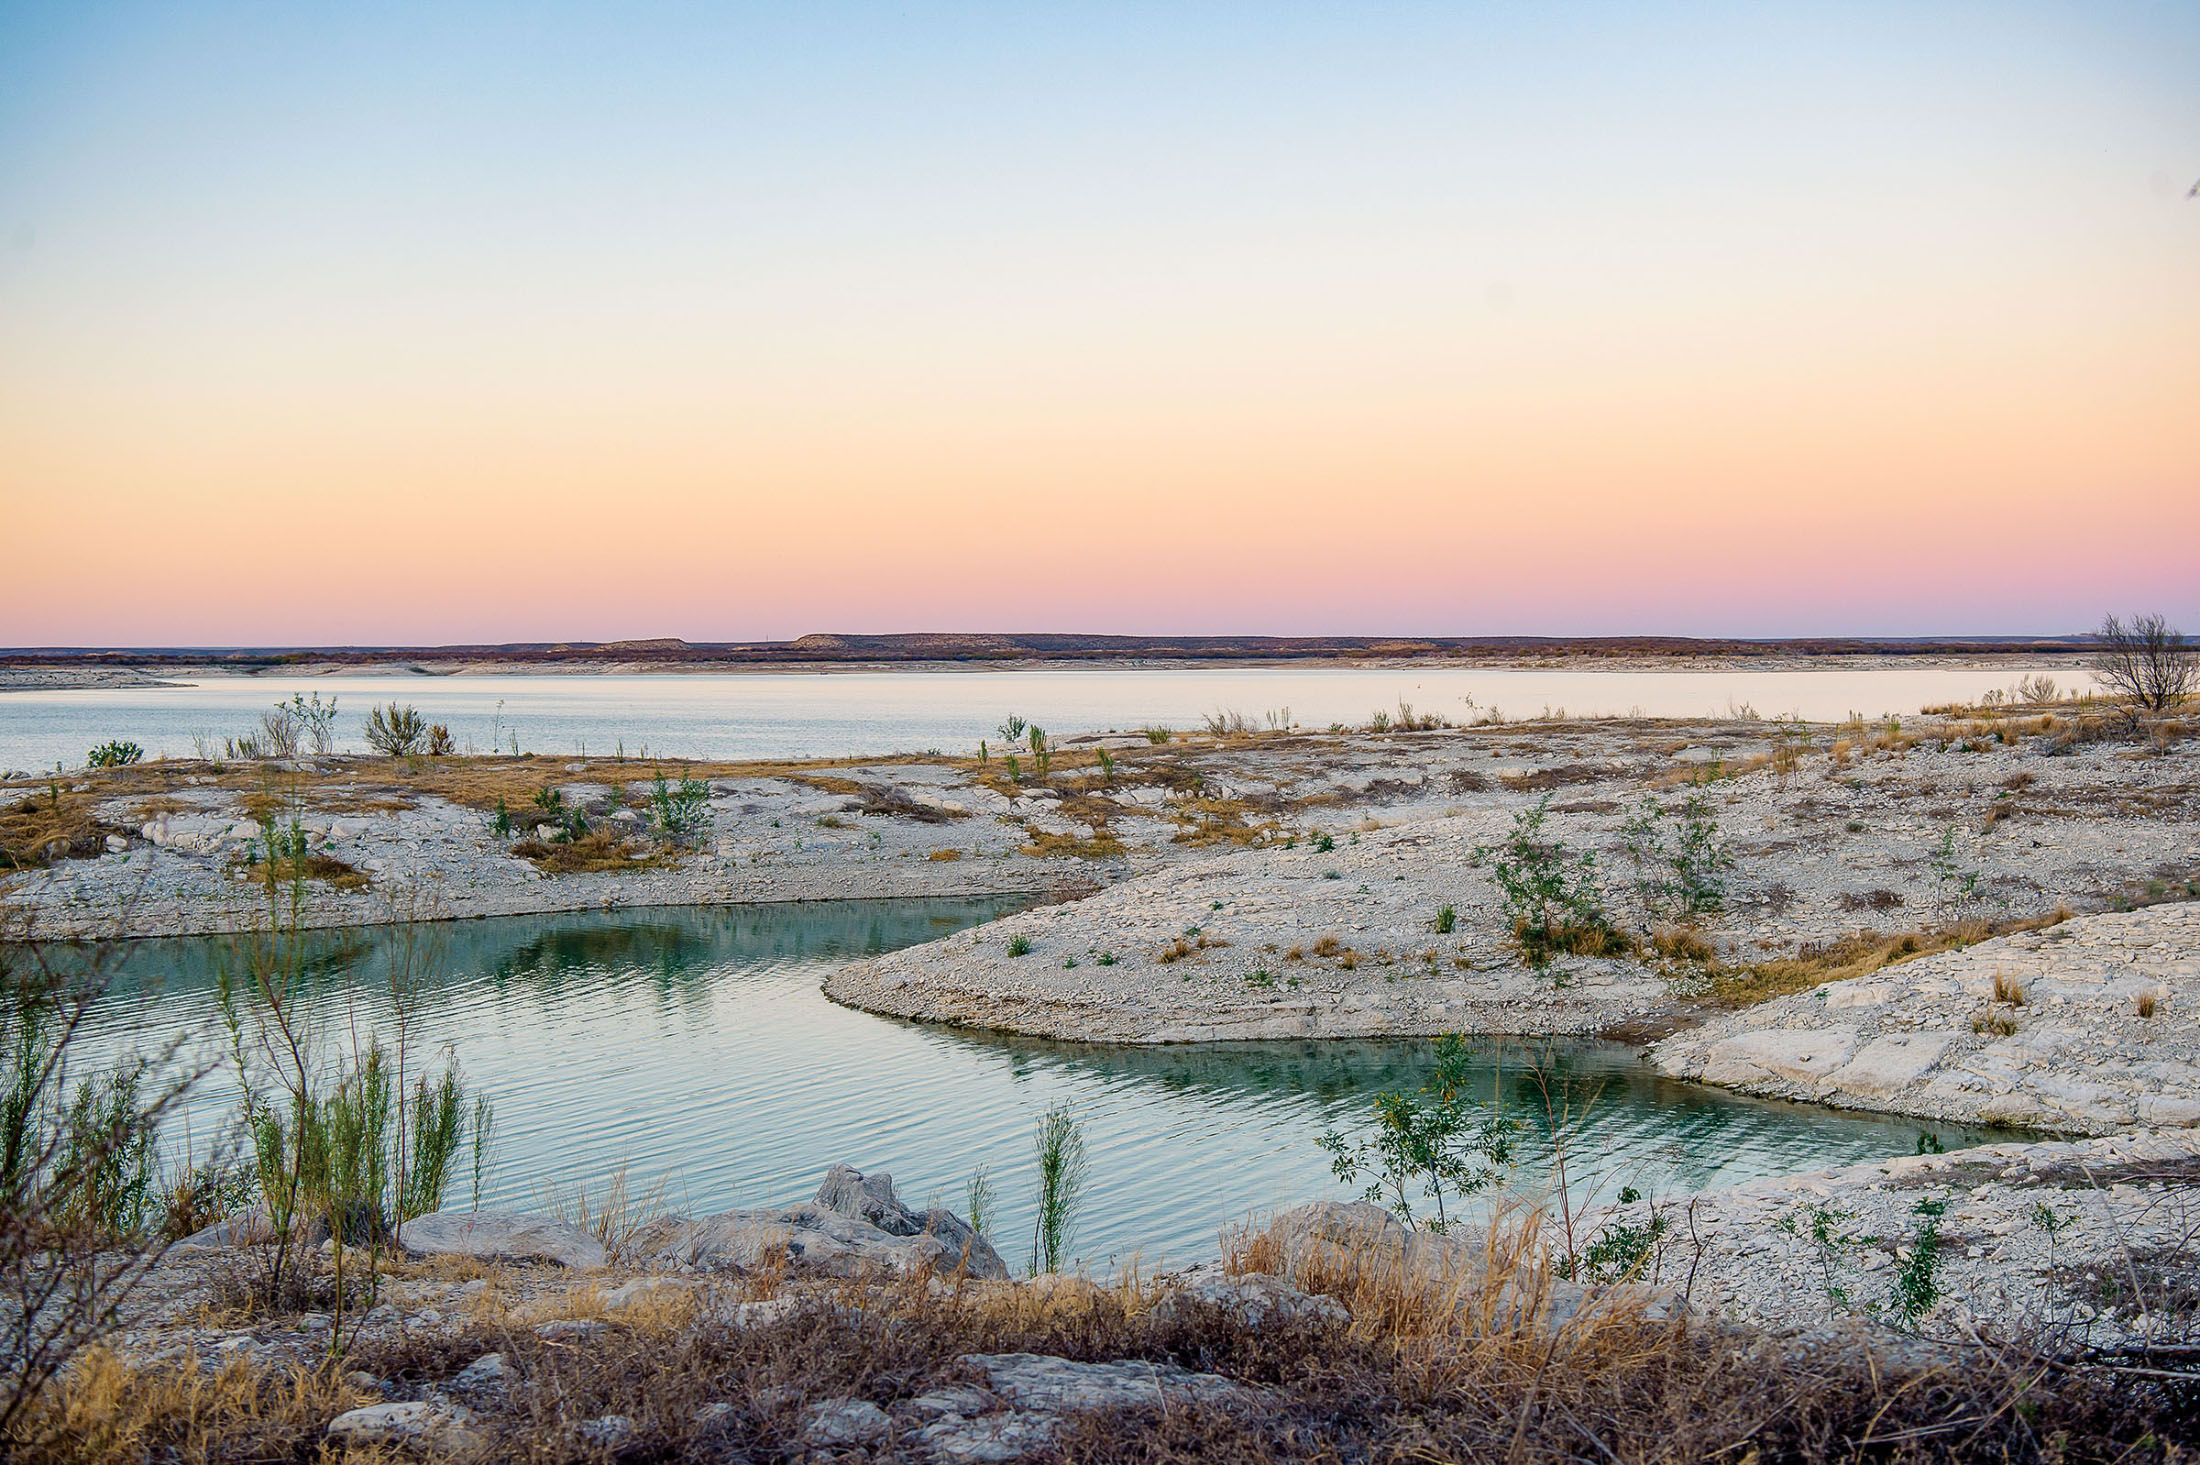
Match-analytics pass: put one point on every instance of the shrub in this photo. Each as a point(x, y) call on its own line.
point(2147, 663)
point(394, 732)
point(680, 810)
point(439, 744)
point(1436, 1142)
point(75, 1164)
point(315, 720)
point(1686, 877)
point(1058, 1146)
point(1019, 945)
point(1446, 919)
point(1157, 735)
point(114, 753)
point(1552, 895)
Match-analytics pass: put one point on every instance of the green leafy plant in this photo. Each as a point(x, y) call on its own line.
point(1551, 895)
point(978, 1201)
point(1683, 877)
point(1917, 1281)
point(1436, 1143)
point(1019, 945)
point(680, 810)
point(114, 753)
point(1058, 1146)
point(1446, 920)
point(1157, 735)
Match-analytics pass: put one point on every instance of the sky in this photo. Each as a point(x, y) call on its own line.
point(415, 324)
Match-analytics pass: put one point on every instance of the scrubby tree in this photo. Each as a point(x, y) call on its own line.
point(2146, 662)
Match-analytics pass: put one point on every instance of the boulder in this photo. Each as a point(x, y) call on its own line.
point(497, 1236)
point(1048, 1385)
point(1252, 1301)
point(854, 1226)
point(840, 1423)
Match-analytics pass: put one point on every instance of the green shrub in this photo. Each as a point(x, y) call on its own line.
point(680, 810)
point(114, 753)
point(1446, 920)
point(1551, 894)
point(1059, 1148)
point(1434, 1143)
point(1019, 945)
point(396, 731)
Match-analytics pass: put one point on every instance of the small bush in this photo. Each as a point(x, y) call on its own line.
point(1019, 945)
point(1446, 920)
point(2146, 1003)
point(439, 744)
point(1552, 895)
point(394, 732)
point(114, 753)
point(681, 810)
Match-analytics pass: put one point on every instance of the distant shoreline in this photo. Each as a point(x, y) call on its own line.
point(66, 669)
point(17, 678)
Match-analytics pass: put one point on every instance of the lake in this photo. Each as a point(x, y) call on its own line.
point(693, 1047)
point(783, 714)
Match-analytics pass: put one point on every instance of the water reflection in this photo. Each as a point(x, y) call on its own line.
point(694, 1047)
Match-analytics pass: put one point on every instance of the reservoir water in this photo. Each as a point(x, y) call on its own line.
point(693, 1048)
point(786, 714)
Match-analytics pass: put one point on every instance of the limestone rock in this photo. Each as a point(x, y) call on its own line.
point(496, 1236)
point(844, 1422)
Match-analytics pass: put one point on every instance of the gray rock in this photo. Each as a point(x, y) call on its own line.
point(487, 1374)
point(571, 1330)
point(1252, 1301)
point(410, 1423)
point(838, 1239)
point(1048, 1385)
point(496, 1236)
point(610, 1431)
point(989, 1439)
point(845, 1422)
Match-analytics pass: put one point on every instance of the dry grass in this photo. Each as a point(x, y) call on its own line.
point(52, 825)
point(596, 851)
point(2008, 989)
point(1102, 845)
point(109, 1411)
point(944, 856)
point(312, 865)
point(1677, 942)
point(1858, 955)
point(1470, 1361)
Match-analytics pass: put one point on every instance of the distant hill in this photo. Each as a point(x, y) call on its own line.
point(937, 646)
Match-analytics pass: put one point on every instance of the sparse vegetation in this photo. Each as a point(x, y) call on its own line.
point(1551, 895)
point(396, 731)
point(1433, 1148)
point(2146, 663)
point(114, 753)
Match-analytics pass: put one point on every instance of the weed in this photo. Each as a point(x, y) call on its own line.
point(1552, 896)
point(396, 731)
point(1058, 1147)
point(1446, 919)
point(978, 1202)
point(1431, 1144)
point(1916, 1283)
point(1019, 945)
point(114, 753)
point(1157, 735)
point(1105, 958)
point(681, 810)
point(2146, 1001)
point(1260, 977)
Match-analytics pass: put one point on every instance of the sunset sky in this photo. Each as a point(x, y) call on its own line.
point(400, 324)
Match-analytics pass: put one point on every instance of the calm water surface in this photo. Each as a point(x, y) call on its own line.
point(796, 714)
point(694, 1047)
